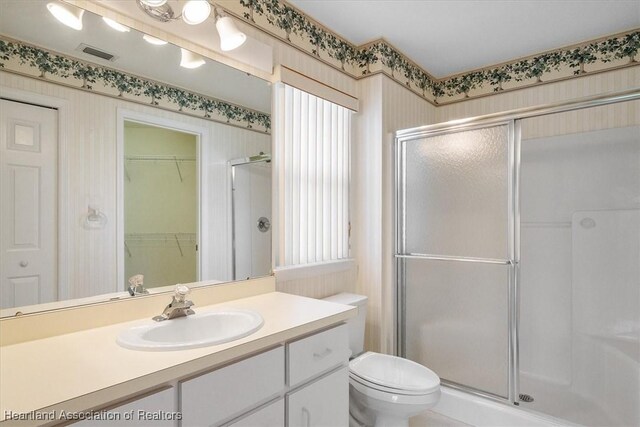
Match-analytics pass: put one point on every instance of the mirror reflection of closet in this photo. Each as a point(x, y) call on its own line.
point(160, 205)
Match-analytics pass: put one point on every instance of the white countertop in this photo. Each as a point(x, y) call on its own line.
point(82, 370)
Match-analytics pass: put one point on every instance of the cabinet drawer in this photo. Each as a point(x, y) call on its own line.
point(323, 403)
point(220, 395)
point(317, 354)
point(271, 415)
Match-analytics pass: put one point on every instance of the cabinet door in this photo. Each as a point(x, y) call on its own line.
point(155, 410)
point(271, 415)
point(224, 394)
point(322, 403)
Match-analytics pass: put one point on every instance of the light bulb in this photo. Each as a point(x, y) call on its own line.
point(115, 25)
point(153, 3)
point(153, 40)
point(196, 11)
point(190, 60)
point(65, 14)
point(230, 36)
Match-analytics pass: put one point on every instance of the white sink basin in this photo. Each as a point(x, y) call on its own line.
point(198, 330)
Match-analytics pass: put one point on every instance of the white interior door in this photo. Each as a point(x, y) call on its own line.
point(28, 204)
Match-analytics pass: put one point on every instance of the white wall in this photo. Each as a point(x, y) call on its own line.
point(386, 106)
point(89, 176)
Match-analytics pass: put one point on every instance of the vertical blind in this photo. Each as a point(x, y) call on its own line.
point(312, 139)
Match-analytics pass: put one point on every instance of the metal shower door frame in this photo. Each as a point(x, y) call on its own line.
point(511, 260)
point(512, 119)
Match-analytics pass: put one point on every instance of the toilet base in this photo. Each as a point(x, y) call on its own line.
point(367, 411)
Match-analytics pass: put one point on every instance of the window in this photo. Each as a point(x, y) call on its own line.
point(312, 139)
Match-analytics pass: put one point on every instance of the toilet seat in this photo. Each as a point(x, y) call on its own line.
point(384, 389)
point(391, 374)
point(393, 397)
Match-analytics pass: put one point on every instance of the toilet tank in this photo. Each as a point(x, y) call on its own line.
point(355, 325)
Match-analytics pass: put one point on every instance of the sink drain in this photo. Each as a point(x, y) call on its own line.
point(525, 398)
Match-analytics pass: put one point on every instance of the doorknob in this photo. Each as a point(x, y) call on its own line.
point(24, 263)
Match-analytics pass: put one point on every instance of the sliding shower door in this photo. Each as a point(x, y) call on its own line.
point(456, 254)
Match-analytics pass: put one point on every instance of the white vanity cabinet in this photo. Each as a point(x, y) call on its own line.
point(253, 392)
point(300, 383)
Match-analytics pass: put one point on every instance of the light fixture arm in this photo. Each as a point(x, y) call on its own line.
point(163, 13)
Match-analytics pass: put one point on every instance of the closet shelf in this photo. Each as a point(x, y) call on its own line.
point(180, 240)
point(158, 158)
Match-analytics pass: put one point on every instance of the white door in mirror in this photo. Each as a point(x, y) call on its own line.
point(28, 194)
point(199, 330)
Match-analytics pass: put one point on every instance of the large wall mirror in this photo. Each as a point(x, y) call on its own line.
point(124, 156)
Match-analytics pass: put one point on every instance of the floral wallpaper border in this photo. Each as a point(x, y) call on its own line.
point(55, 67)
point(289, 24)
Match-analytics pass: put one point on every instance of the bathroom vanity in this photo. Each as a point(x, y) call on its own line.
point(292, 371)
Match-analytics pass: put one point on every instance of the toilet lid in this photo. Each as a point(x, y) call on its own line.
point(394, 373)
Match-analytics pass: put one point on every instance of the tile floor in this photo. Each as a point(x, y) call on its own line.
point(433, 419)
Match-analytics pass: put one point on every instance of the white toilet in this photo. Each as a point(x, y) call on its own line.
point(384, 391)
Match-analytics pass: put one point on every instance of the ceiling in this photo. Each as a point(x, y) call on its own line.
point(450, 37)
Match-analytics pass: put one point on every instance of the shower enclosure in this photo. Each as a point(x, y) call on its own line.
point(518, 257)
point(251, 216)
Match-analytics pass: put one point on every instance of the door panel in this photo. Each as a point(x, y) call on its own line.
point(324, 403)
point(457, 321)
point(456, 194)
point(457, 249)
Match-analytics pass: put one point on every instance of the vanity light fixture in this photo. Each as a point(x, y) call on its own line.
point(154, 40)
point(116, 25)
point(195, 12)
point(68, 15)
point(190, 59)
point(230, 36)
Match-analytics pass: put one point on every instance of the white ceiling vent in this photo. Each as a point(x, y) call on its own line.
point(94, 51)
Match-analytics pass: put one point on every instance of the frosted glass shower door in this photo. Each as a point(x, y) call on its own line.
point(455, 254)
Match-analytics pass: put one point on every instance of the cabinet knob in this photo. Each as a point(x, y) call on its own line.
point(23, 263)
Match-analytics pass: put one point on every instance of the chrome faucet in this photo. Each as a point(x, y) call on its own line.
point(179, 305)
point(136, 285)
